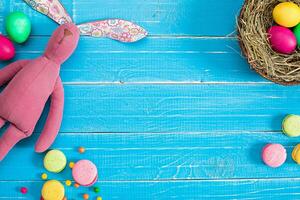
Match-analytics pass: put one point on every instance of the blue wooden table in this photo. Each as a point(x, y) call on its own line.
point(178, 115)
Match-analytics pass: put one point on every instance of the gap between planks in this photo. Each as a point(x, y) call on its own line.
point(168, 133)
point(232, 37)
point(169, 83)
point(172, 180)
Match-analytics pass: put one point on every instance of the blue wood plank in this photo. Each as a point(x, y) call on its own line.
point(161, 157)
point(177, 108)
point(159, 17)
point(189, 190)
point(152, 60)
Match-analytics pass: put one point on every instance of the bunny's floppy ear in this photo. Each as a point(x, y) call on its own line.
point(116, 29)
point(52, 8)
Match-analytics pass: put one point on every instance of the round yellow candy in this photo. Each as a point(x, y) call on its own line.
point(55, 161)
point(68, 183)
point(44, 176)
point(287, 14)
point(53, 190)
point(71, 164)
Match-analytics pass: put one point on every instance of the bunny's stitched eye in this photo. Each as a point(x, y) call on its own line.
point(67, 33)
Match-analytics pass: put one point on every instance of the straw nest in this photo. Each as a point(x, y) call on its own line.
point(254, 21)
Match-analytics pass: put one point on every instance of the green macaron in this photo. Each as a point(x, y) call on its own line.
point(55, 161)
point(291, 125)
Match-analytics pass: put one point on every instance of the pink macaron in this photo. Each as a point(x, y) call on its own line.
point(85, 173)
point(274, 155)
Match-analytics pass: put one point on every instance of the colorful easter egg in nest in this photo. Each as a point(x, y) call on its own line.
point(282, 39)
point(287, 14)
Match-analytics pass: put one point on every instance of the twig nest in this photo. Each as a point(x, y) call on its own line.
point(254, 23)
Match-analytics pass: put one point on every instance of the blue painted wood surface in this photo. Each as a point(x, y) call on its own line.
point(178, 115)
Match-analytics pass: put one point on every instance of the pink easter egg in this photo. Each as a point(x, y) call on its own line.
point(282, 39)
point(7, 49)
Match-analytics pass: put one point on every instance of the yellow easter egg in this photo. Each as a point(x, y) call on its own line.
point(287, 14)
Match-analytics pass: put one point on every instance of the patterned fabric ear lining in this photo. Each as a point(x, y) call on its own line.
point(115, 29)
point(52, 8)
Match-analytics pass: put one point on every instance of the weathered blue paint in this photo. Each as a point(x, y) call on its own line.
point(178, 115)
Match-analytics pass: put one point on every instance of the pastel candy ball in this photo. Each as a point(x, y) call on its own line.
point(44, 176)
point(96, 189)
point(18, 27)
point(86, 196)
point(68, 183)
point(53, 190)
point(23, 190)
point(296, 154)
point(71, 164)
point(55, 161)
point(85, 173)
point(274, 155)
point(81, 149)
point(291, 125)
point(7, 49)
point(287, 14)
point(282, 40)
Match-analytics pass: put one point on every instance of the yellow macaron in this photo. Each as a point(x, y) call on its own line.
point(296, 154)
point(53, 190)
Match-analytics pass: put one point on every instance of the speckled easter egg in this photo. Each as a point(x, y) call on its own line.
point(282, 40)
point(7, 49)
point(287, 14)
point(18, 27)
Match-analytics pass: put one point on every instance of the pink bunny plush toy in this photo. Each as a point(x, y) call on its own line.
point(32, 82)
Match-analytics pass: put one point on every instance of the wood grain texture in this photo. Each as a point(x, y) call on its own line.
point(183, 108)
point(247, 189)
point(160, 17)
point(144, 157)
point(155, 60)
point(178, 115)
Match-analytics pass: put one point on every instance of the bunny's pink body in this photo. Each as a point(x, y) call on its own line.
point(31, 83)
